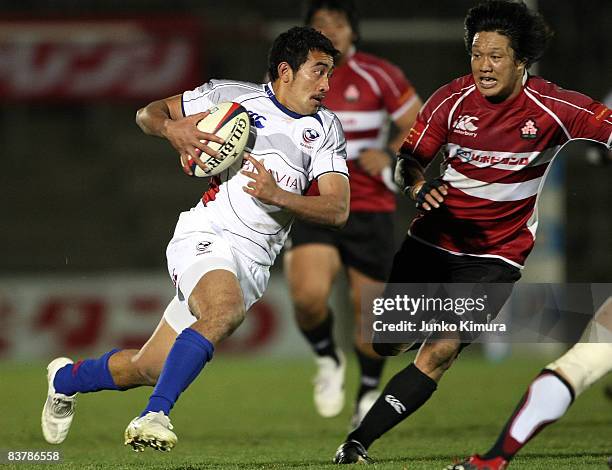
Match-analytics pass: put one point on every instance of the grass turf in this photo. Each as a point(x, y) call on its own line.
point(247, 413)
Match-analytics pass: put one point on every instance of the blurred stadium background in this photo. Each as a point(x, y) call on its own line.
point(88, 203)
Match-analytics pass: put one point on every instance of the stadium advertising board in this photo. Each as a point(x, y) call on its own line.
point(42, 317)
point(109, 59)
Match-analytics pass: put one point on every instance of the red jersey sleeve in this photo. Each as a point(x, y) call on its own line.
point(592, 121)
point(581, 116)
point(430, 129)
point(397, 92)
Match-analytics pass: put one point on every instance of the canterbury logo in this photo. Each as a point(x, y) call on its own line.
point(466, 123)
point(395, 403)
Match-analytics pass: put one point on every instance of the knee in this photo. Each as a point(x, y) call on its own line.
point(234, 317)
point(438, 357)
point(310, 301)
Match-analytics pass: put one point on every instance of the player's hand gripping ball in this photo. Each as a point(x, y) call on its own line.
point(229, 121)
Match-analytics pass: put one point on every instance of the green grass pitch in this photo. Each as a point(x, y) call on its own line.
point(256, 414)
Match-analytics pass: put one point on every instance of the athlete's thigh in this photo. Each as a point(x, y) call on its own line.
point(217, 292)
point(311, 269)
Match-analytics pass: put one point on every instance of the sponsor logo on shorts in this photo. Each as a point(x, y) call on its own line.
point(202, 247)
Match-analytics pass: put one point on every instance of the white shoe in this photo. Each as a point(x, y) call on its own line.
point(329, 385)
point(151, 430)
point(58, 411)
point(363, 406)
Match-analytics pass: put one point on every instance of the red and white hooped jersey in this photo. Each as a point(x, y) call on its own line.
point(364, 93)
point(496, 160)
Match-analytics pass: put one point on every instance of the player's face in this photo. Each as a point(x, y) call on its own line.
point(336, 26)
point(498, 75)
point(306, 88)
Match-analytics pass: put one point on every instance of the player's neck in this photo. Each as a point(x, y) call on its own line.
point(283, 95)
point(344, 58)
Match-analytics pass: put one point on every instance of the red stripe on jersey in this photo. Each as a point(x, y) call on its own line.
point(495, 175)
point(471, 225)
point(213, 189)
point(368, 194)
point(369, 134)
point(462, 205)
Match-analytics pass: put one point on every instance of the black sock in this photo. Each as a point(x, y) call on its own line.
point(371, 369)
point(405, 393)
point(321, 338)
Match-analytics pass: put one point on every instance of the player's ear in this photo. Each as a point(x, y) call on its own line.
point(285, 72)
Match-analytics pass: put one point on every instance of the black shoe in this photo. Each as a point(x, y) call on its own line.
point(352, 452)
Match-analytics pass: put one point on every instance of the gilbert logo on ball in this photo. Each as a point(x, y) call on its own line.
point(230, 121)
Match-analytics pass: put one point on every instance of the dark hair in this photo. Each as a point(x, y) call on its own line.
point(344, 6)
point(293, 47)
point(527, 30)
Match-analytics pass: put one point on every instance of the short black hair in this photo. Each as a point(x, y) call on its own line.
point(344, 6)
point(527, 30)
point(293, 47)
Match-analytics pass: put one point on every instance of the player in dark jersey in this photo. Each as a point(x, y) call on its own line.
point(499, 130)
point(366, 93)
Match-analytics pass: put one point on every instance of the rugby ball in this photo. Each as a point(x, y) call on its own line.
point(229, 121)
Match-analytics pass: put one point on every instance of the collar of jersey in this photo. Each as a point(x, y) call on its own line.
point(279, 105)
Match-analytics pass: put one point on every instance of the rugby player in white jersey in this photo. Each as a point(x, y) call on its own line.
point(222, 248)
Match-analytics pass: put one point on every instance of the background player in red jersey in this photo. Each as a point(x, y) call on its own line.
point(499, 130)
point(366, 92)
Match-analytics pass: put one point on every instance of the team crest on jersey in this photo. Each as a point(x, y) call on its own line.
point(351, 94)
point(309, 135)
point(529, 130)
point(466, 125)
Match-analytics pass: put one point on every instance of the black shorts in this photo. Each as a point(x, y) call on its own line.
point(365, 243)
point(418, 263)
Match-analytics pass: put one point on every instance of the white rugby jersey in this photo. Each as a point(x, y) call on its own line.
point(296, 149)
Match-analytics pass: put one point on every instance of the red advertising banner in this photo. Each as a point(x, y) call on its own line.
point(43, 317)
point(109, 59)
